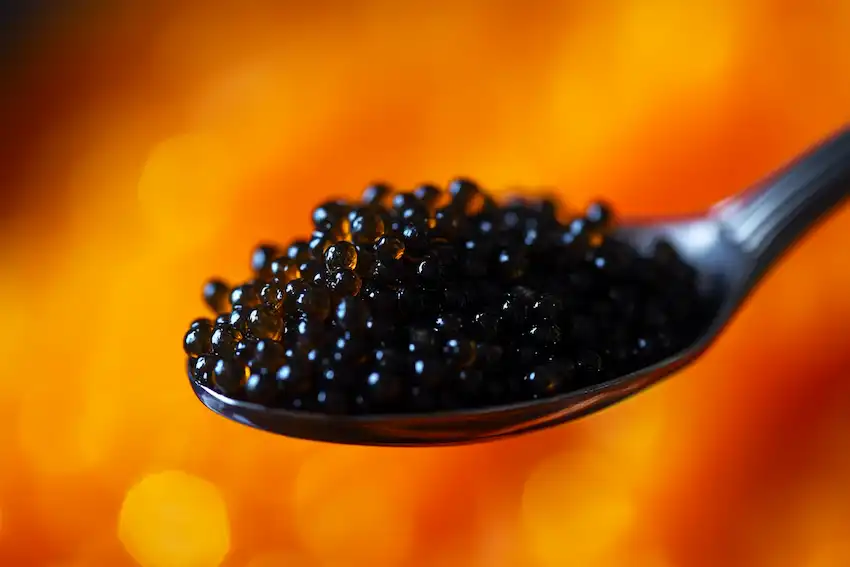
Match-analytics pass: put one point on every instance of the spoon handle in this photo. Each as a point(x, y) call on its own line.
point(768, 219)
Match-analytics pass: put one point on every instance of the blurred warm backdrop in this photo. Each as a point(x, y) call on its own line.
point(146, 145)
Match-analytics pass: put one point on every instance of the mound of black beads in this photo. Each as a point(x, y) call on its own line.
point(431, 300)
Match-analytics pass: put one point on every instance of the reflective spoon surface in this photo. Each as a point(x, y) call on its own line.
point(731, 246)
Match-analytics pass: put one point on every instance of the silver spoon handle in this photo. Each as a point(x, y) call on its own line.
point(768, 219)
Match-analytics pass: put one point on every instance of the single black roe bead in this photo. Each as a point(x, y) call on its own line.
point(415, 237)
point(319, 243)
point(428, 372)
point(285, 269)
point(244, 296)
point(383, 388)
point(547, 380)
point(202, 368)
point(470, 382)
point(262, 258)
point(341, 256)
point(367, 226)
point(350, 348)
point(197, 341)
point(229, 376)
point(272, 294)
point(386, 271)
point(460, 352)
point(512, 263)
point(293, 291)
point(329, 215)
point(299, 251)
point(409, 207)
point(463, 191)
point(295, 378)
point(428, 194)
point(265, 323)
point(589, 365)
point(239, 320)
point(430, 271)
point(331, 399)
point(545, 334)
point(314, 301)
point(216, 295)
point(346, 282)
point(261, 388)
point(244, 350)
point(222, 319)
point(365, 260)
point(389, 247)
point(351, 313)
point(224, 340)
point(202, 322)
point(376, 193)
point(599, 214)
point(449, 324)
point(548, 307)
point(309, 333)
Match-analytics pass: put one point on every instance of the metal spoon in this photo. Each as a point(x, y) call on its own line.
point(731, 246)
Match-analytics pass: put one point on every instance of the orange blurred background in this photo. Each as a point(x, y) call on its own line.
point(147, 145)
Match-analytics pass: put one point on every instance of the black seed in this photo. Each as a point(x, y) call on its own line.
point(293, 290)
point(427, 194)
point(216, 295)
point(244, 350)
point(202, 322)
point(352, 314)
point(238, 320)
point(314, 301)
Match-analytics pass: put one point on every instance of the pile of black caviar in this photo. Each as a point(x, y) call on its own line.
point(434, 300)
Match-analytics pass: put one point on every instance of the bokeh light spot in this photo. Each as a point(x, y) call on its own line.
point(575, 509)
point(355, 510)
point(173, 518)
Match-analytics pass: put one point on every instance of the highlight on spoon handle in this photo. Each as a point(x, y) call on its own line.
point(768, 219)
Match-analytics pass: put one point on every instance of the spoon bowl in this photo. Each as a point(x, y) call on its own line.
point(731, 247)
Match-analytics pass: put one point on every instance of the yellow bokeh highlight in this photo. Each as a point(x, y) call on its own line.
point(576, 508)
point(173, 518)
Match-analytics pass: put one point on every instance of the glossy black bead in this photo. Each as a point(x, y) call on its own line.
point(460, 352)
point(345, 283)
point(367, 226)
point(202, 368)
point(238, 320)
point(299, 251)
point(389, 247)
point(224, 340)
point(330, 215)
point(463, 191)
point(599, 214)
point(197, 341)
point(285, 269)
point(244, 350)
point(428, 372)
point(383, 388)
point(449, 324)
point(351, 313)
point(262, 258)
point(217, 295)
point(376, 193)
point(293, 290)
point(229, 376)
point(341, 256)
point(265, 323)
point(409, 207)
point(428, 194)
point(547, 380)
point(295, 378)
point(273, 294)
point(202, 322)
point(314, 301)
point(244, 296)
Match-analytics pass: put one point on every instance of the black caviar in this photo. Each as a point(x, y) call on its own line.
point(429, 300)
